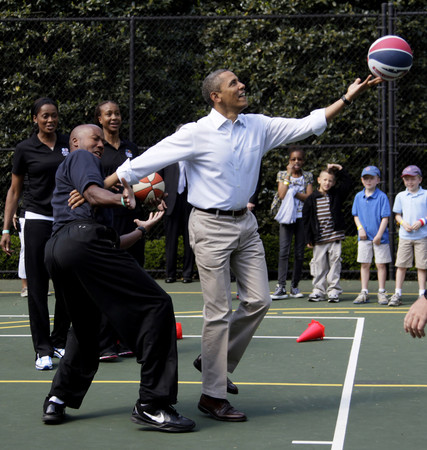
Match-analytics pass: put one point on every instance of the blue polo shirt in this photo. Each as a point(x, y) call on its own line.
point(370, 211)
point(411, 207)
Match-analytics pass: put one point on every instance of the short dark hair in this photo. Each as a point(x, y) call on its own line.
point(37, 105)
point(295, 148)
point(211, 84)
point(98, 109)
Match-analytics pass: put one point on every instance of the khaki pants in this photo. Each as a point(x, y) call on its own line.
point(325, 268)
point(221, 243)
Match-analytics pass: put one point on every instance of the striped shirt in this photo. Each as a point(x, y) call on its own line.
point(326, 224)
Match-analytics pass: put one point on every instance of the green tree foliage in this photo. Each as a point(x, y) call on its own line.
point(291, 65)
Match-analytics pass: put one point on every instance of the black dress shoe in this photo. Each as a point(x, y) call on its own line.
point(162, 418)
point(187, 280)
point(220, 409)
point(231, 387)
point(170, 280)
point(53, 413)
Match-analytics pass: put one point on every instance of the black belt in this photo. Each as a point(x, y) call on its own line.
point(220, 212)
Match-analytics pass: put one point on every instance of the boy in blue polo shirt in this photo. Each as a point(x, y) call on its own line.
point(371, 211)
point(410, 209)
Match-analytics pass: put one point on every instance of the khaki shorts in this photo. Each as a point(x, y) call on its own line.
point(366, 250)
point(407, 249)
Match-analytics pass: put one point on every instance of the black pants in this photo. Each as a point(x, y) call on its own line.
point(96, 277)
point(37, 233)
point(123, 224)
point(176, 224)
point(287, 231)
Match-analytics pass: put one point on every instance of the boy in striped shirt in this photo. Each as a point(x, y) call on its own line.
point(324, 230)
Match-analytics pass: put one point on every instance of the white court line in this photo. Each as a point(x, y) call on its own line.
point(344, 408)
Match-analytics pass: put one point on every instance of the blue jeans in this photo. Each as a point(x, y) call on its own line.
point(287, 231)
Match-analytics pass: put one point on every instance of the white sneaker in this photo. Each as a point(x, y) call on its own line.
point(58, 352)
point(24, 292)
point(315, 298)
point(382, 298)
point(394, 300)
point(44, 363)
point(363, 297)
point(279, 293)
point(296, 293)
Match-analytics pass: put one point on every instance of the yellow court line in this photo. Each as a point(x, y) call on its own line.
point(15, 321)
point(16, 326)
point(339, 385)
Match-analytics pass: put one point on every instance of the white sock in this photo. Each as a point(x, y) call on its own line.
point(381, 291)
point(398, 292)
point(56, 400)
point(421, 292)
point(365, 291)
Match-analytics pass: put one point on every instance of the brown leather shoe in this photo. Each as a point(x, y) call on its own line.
point(231, 387)
point(220, 409)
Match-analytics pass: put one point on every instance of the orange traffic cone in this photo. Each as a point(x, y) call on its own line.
point(178, 330)
point(315, 330)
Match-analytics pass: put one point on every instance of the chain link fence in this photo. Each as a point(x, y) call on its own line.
point(153, 67)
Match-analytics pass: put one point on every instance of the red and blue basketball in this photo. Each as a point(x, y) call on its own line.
point(390, 57)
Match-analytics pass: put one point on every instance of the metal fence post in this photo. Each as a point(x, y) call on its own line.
point(391, 90)
point(131, 78)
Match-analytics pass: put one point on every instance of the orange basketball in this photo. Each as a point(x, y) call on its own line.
point(149, 188)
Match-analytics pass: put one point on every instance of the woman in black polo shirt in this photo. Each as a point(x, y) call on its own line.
point(36, 160)
point(116, 151)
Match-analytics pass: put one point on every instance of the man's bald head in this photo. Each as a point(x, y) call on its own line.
point(87, 137)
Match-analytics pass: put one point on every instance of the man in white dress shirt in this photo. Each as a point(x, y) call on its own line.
point(222, 153)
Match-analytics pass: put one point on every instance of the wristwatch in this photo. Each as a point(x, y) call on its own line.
point(142, 230)
point(344, 99)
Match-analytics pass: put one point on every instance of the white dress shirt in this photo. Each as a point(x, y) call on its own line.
point(222, 158)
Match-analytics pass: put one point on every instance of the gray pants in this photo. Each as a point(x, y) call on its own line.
point(220, 243)
point(325, 268)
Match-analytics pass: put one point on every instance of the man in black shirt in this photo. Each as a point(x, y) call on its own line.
point(78, 257)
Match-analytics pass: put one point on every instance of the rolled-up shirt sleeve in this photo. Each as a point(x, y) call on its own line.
point(281, 131)
point(318, 119)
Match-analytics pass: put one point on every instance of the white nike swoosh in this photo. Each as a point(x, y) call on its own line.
point(160, 418)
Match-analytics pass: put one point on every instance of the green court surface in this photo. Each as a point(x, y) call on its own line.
point(362, 387)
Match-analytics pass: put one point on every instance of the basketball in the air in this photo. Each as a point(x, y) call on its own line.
point(149, 188)
point(390, 57)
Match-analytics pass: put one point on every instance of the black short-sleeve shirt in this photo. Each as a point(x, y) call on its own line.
point(113, 158)
point(78, 171)
point(39, 163)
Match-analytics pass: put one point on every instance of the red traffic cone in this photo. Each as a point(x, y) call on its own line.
point(315, 330)
point(178, 330)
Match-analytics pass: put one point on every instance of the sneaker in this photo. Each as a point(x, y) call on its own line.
point(58, 352)
point(162, 418)
point(363, 297)
point(296, 293)
point(124, 351)
point(382, 298)
point(53, 413)
point(44, 363)
point(333, 299)
point(24, 292)
point(279, 293)
point(316, 298)
point(108, 356)
point(395, 300)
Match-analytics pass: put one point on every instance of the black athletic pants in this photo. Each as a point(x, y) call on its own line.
point(96, 277)
point(37, 233)
point(176, 224)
